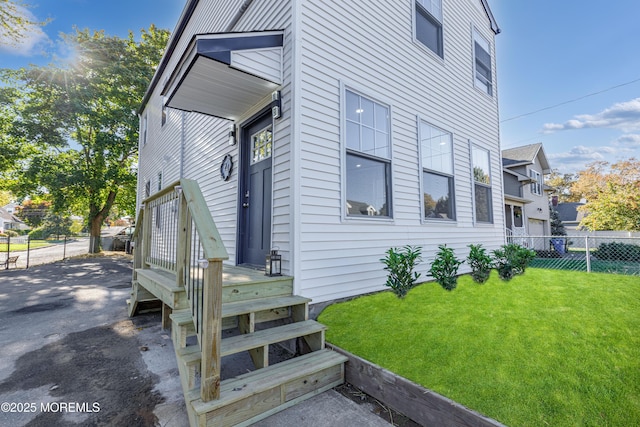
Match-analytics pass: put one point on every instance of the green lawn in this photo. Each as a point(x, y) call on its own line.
point(23, 246)
point(554, 348)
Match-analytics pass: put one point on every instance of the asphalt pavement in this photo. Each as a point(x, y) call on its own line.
point(70, 356)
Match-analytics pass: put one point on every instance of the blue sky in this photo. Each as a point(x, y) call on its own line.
point(549, 53)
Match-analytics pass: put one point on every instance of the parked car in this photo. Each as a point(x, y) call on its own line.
point(122, 240)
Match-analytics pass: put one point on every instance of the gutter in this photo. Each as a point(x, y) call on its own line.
point(187, 13)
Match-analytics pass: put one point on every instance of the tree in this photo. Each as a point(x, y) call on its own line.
point(78, 120)
point(32, 212)
point(557, 227)
point(613, 195)
point(56, 225)
point(14, 22)
point(561, 184)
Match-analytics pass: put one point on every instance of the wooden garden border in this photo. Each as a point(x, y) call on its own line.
point(422, 405)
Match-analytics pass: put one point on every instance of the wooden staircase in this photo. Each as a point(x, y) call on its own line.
point(256, 312)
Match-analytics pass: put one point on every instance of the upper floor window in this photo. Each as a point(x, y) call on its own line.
point(429, 24)
point(482, 63)
point(436, 147)
point(536, 187)
point(368, 157)
point(482, 184)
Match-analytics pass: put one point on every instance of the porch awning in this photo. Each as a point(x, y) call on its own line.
point(516, 199)
point(224, 75)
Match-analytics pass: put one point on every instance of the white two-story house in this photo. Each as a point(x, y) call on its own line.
point(332, 131)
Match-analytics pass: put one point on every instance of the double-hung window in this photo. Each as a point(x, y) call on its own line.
point(368, 157)
point(536, 187)
point(429, 24)
point(145, 126)
point(436, 147)
point(482, 184)
point(482, 64)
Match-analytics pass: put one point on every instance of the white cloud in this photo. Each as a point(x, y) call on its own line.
point(580, 156)
point(632, 140)
point(624, 116)
point(33, 42)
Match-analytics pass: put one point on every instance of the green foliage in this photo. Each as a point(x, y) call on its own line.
point(487, 349)
point(511, 260)
point(616, 251)
point(15, 23)
point(11, 233)
point(480, 262)
point(400, 264)
point(56, 225)
point(38, 234)
point(77, 118)
point(445, 268)
point(557, 227)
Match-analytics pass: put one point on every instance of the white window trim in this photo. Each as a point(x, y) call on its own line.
point(473, 188)
point(421, 169)
point(476, 35)
point(420, 44)
point(380, 99)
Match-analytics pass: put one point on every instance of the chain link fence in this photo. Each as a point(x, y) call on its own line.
point(22, 252)
point(598, 254)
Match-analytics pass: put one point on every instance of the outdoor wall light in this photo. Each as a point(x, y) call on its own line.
point(203, 263)
point(232, 134)
point(273, 264)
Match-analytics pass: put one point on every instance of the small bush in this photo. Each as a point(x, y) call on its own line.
point(11, 233)
point(445, 268)
point(617, 251)
point(480, 262)
point(38, 234)
point(400, 264)
point(511, 260)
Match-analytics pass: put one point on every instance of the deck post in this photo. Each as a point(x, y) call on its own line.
point(182, 245)
point(146, 235)
point(211, 334)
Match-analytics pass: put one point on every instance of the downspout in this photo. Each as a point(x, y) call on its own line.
point(182, 143)
point(238, 15)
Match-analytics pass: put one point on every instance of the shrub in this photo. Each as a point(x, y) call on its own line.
point(11, 233)
point(445, 268)
point(480, 263)
point(38, 234)
point(617, 251)
point(400, 264)
point(511, 260)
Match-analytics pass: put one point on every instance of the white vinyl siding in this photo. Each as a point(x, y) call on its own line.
point(364, 45)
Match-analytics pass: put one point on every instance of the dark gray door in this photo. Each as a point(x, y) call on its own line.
point(255, 191)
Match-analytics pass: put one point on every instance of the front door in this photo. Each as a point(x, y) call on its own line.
point(255, 191)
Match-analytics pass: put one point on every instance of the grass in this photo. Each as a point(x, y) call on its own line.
point(597, 266)
point(23, 246)
point(553, 348)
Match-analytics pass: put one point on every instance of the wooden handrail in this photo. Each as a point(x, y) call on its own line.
point(205, 300)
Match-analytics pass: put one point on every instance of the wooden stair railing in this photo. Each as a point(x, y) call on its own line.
point(176, 233)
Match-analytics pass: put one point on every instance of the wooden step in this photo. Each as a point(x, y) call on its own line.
point(310, 329)
point(162, 284)
point(259, 394)
point(253, 306)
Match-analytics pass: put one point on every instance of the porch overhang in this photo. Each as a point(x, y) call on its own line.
point(516, 199)
point(224, 75)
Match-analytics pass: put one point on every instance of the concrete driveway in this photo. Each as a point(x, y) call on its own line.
point(70, 356)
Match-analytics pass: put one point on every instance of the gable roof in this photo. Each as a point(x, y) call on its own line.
point(525, 155)
point(188, 12)
point(568, 211)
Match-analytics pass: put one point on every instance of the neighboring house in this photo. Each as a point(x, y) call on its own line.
point(332, 131)
point(526, 199)
point(570, 215)
point(11, 207)
point(8, 221)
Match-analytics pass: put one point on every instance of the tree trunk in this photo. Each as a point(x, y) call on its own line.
point(95, 231)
